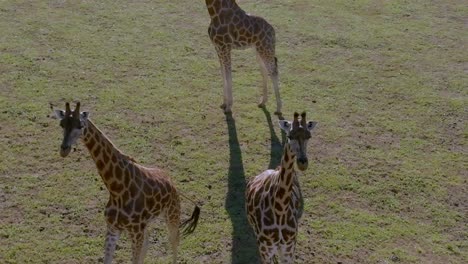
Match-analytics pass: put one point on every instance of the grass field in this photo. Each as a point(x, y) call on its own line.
point(385, 80)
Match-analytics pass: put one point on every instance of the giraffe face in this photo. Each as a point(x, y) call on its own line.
point(72, 124)
point(298, 136)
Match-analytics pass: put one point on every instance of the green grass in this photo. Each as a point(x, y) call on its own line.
point(386, 81)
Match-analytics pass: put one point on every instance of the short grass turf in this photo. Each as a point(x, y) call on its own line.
point(385, 80)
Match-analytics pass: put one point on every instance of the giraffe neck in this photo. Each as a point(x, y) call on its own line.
point(286, 178)
point(215, 6)
point(109, 160)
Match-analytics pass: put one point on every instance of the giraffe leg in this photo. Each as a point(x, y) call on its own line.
point(138, 246)
point(267, 253)
point(271, 65)
point(264, 92)
point(286, 253)
point(112, 237)
point(224, 55)
point(173, 223)
point(274, 78)
point(145, 246)
point(173, 239)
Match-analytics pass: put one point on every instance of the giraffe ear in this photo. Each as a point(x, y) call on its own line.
point(311, 125)
point(84, 115)
point(285, 125)
point(59, 114)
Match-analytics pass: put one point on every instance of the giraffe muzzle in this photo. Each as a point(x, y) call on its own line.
point(302, 164)
point(64, 151)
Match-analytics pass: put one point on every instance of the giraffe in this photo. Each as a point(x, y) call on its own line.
point(137, 194)
point(273, 197)
point(232, 28)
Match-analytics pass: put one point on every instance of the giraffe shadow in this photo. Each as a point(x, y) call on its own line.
point(244, 247)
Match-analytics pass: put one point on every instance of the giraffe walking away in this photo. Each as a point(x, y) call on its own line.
point(273, 197)
point(232, 28)
point(137, 194)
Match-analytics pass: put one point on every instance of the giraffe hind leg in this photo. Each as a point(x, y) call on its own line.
point(264, 88)
point(172, 217)
point(271, 65)
point(174, 236)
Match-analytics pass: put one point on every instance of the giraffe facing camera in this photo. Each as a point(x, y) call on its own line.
point(138, 194)
point(273, 198)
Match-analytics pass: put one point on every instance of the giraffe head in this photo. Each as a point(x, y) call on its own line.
point(298, 134)
point(72, 123)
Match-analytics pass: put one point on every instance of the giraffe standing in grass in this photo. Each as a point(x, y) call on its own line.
point(273, 197)
point(232, 28)
point(137, 194)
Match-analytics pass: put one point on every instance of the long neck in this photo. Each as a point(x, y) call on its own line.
point(109, 160)
point(286, 177)
point(215, 6)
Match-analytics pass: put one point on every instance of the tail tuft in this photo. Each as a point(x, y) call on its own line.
point(190, 224)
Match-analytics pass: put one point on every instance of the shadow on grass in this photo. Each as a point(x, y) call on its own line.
point(244, 247)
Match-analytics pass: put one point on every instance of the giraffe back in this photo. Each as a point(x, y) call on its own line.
point(143, 195)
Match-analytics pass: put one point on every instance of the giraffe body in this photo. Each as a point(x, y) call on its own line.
point(137, 194)
point(273, 198)
point(232, 28)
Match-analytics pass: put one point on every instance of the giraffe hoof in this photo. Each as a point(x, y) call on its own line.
point(261, 105)
point(279, 114)
point(226, 108)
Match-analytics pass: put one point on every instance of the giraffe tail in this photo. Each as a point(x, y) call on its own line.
point(189, 225)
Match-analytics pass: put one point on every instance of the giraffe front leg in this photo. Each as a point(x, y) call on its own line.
point(224, 55)
point(286, 253)
point(228, 85)
point(267, 253)
point(112, 237)
point(139, 241)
